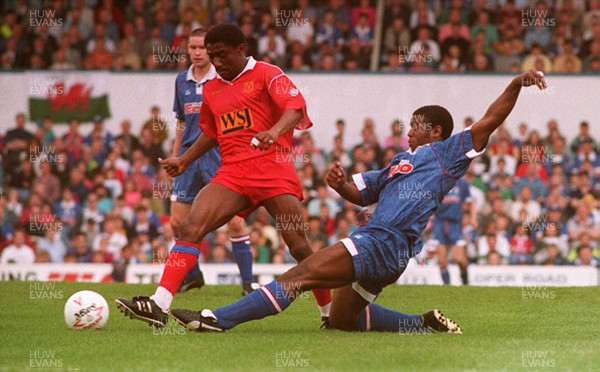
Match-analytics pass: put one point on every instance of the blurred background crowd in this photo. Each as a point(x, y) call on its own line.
point(561, 36)
point(101, 197)
point(94, 196)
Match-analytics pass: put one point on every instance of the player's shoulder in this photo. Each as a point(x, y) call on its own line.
point(181, 76)
point(211, 85)
point(269, 70)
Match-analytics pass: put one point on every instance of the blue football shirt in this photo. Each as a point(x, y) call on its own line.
point(412, 188)
point(188, 101)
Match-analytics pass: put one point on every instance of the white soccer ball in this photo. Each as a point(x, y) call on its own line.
point(86, 310)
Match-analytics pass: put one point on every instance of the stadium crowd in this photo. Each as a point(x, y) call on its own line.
point(561, 36)
point(102, 197)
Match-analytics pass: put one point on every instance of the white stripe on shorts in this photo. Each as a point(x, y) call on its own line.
point(349, 244)
point(368, 296)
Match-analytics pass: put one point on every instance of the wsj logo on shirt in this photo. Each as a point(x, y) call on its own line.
point(193, 108)
point(236, 120)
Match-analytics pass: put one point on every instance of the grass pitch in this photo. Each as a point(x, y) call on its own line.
point(504, 329)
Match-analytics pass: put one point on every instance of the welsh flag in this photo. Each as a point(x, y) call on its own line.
point(66, 96)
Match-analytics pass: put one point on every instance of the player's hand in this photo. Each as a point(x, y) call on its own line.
point(173, 166)
point(264, 140)
point(363, 218)
point(336, 177)
point(533, 77)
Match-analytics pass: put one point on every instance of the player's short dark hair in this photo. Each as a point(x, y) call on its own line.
point(437, 115)
point(227, 34)
point(198, 32)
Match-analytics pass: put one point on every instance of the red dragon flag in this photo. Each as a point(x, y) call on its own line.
point(66, 96)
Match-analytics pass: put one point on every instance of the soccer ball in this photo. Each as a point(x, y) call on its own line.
point(86, 310)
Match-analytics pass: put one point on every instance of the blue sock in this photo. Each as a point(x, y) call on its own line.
point(268, 300)
point(445, 276)
point(379, 319)
point(192, 275)
point(243, 257)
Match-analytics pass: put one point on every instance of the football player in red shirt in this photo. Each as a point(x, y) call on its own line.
point(250, 110)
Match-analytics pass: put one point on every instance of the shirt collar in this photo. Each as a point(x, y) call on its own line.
point(417, 149)
point(251, 62)
point(211, 74)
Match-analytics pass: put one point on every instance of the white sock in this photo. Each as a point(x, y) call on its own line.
point(163, 298)
point(325, 309)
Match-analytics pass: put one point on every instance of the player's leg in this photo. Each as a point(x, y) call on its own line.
point(212, 208)
point(194, 278)
point(442, 252)
point(240, 244)
point(287, 207)
point(459, 254)
point(353, 310)
point(439, 234)
point(459, 249)
point(185, 190)
point(331, 267)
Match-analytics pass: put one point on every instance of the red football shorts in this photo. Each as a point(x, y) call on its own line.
point(259, 179)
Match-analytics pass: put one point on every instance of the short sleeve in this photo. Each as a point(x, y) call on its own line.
point(287, 96)
point(456, 153)
point(177, 107)
point(370, 184)
point(207, 121)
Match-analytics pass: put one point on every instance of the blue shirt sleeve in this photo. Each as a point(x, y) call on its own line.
point(177, 107)
point(370, 184)
point(456, 153)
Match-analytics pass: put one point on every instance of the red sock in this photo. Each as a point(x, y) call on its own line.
point(323, 296)
point(177, 266)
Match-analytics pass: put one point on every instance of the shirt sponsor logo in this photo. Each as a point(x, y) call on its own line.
point(193, 108)
point(236, 120)
point(403, 168)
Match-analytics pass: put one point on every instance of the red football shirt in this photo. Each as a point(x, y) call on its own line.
point(234, 112)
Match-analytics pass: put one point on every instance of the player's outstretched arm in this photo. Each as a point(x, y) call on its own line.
point(286, 123)
point(175, 166)
point(178, 138)
point(501, 108)
point(336, 179)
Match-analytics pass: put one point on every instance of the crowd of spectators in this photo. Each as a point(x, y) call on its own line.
point(561, 36)
point(102, 198)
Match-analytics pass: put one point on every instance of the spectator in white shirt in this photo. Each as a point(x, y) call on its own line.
point(418, 46)
point(115, 240)
point(272, 44)
point(300, 29)
point(18, 252)
point(509, 160)
point(492, 242)
point(525, 204)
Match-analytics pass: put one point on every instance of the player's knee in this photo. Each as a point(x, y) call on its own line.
point(190, 231)
point(175, 225)
point(343, 322)
point(298, 245)
point(303, 273)
point(300, 253)
point(459, 254)
point(237, 226)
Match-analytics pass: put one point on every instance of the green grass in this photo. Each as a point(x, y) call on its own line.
point(502, 331)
